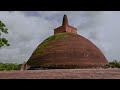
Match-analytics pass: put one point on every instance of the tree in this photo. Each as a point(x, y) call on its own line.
point(115, 63)
point(3, 41)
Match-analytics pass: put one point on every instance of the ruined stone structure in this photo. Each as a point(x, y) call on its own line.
point(67, 49)
point(24, 66)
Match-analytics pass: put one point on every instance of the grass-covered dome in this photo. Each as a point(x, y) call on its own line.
point(67, 50)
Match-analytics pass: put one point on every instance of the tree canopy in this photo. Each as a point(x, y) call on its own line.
point(3, 29)
point(115, 63)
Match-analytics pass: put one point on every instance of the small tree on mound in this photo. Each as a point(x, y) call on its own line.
point(3, 29)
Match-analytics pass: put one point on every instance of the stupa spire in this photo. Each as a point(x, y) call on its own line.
point(65, 20)
point(65, 27)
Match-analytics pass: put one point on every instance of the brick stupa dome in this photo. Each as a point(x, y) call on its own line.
point(67, 49)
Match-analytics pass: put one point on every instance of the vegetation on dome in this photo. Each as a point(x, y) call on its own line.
point(40, 49)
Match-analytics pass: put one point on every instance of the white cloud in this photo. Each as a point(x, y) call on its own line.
point(25, 33)
point(28, 29)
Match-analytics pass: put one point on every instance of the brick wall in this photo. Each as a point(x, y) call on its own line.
point(65, 29)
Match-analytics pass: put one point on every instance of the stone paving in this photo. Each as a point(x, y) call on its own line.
point(62, 74)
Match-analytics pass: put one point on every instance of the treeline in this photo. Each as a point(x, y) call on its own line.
point(9, 66)
point(12, 66)
point(115, 64)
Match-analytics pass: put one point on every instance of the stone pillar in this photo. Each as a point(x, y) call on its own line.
point(24, 67)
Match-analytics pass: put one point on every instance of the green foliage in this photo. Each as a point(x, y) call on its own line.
point(115, 63)
point(50, 39)
point(9, 66)
point(3, 29)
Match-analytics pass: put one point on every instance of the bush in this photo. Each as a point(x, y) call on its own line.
point(115, 63)
point(9, 66)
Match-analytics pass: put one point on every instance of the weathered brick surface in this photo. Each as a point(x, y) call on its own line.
point(72, 50)
point(65, 27)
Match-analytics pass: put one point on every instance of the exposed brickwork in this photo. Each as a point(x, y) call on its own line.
point(65, 27)
point(73, 49)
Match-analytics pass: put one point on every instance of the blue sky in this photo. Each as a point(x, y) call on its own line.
point(27, 29)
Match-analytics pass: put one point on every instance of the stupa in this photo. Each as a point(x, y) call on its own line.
point(66, 49)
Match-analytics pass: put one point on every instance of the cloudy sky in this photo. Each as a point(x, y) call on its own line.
point(27, 29)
